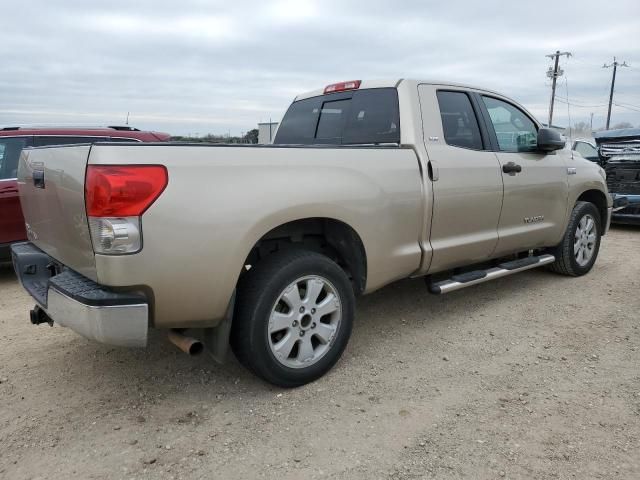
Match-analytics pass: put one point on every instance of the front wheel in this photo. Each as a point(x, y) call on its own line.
point(578, 251)
point(294, 317)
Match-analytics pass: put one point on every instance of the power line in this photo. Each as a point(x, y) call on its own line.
point(628, 108)
point(615, 66)
point(627, 104)
point(581, 105)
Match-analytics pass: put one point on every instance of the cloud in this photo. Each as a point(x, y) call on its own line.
point(201, 65)
point(292, 11)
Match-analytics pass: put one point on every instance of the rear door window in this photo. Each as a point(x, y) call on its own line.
point(10, 148)
point(359, 117)
point(459, 121)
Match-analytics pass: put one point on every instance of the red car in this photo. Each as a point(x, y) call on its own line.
point(14, 139)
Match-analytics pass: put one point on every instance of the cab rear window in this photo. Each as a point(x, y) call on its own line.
point(349, 118)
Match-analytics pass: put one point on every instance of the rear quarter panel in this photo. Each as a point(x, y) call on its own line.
point(221, 200)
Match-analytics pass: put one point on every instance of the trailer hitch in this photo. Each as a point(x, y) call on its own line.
point(38, 316)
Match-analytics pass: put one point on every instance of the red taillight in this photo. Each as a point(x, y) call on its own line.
point(342, 86)
point(123, 190)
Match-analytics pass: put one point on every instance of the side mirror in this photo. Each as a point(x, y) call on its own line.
point(550, 140)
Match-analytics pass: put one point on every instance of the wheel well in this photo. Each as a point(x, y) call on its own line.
point(598, 199)
point(332, 238)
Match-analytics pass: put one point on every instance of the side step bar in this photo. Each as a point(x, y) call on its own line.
point(480, 276)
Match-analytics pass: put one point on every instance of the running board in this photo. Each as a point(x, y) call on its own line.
point(480, 276)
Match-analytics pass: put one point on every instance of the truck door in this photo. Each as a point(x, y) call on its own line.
point(466, 178)
point(535, 183)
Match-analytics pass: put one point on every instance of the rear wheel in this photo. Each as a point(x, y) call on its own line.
point(294, 317)
point(578, 251)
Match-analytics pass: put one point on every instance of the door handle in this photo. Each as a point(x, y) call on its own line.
point(511, 168)
point(38, 178)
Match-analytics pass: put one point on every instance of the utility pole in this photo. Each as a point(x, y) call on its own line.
point(591, 123)
point(615, 66)
point(553, 74)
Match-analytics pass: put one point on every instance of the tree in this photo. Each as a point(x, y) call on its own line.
point(622, 125)
point(251, 136)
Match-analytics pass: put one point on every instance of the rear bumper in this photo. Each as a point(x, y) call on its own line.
point(74, 301)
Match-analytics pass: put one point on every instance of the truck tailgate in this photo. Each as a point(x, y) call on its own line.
point(51, 185)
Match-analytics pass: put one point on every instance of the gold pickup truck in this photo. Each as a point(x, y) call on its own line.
point(264, 248)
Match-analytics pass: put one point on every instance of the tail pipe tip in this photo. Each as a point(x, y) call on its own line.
point(189, 345)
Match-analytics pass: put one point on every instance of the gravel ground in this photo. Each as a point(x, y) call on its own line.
point(532, 376)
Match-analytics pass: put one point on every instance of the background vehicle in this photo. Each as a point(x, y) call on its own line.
point(619, 155)
point(14, 139)
point(586, 148)
point(267, 246)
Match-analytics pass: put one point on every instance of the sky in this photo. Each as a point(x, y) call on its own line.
point(203, 66)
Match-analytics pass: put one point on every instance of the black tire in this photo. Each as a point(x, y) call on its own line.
point(566, 263)
point(259, 290)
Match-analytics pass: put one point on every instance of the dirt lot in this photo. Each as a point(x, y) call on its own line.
point(533, 376)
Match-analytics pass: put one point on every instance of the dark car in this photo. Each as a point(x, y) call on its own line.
point(619, 155)
point(14, 139)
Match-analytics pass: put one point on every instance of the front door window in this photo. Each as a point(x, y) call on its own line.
point(515, 131)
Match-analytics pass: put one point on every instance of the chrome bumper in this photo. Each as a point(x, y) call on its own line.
point(71, 300)
point(121, 325)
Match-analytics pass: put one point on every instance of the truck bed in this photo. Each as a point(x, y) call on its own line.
point(219, 201)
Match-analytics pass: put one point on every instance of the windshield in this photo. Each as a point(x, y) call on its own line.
point(359, 117)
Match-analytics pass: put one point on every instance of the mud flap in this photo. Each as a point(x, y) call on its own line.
point(216, 340)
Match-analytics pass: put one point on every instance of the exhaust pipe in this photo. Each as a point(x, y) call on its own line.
point(188, 345)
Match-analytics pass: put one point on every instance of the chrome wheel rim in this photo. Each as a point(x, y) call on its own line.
point(304, 321)
point(584, 240)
